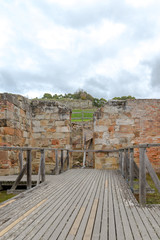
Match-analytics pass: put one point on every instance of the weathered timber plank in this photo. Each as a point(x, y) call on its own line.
point(69, 217)
point(52, 220)
point(122, 207)
point(84, 222)
point(82, 204)
point(98, 219)
point(128, 196)
point(104, 224)
point(89, 227)
point(118, 217)
point(112, 229)
point(129, 204)
point(51, 189)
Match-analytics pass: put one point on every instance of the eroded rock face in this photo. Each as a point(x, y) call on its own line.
point(34, 123)
point(125, 123)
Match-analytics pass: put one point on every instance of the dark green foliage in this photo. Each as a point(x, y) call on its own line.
point(123, 98)
point(99, 102)
point(79, 94)
point(47, 96)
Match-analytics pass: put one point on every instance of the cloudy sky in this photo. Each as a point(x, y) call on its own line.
point(107, 47)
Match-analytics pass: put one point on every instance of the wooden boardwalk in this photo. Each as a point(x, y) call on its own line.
point(79, 204)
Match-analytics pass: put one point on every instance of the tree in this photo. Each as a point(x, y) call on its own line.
point(47, 96)
point(123, 98)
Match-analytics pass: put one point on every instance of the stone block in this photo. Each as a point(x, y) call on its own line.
point(38, 129)
point(63, 129)
point(100, 128)
point(9, 131)
point(55, 142)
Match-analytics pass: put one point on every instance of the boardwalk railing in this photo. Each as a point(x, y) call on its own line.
point(26, 167)
point(127, 165)
point(129, 169)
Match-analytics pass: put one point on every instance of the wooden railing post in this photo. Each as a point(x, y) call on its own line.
point(131, 168)
point(67, 159)
point(21, 159)
point(84, 154)
point(62, 165)
point(120, 161)
point(127, 164)
point(142, 177)
point(57, 162)
point(43, 165)
point(29, 169)
point(123, 162)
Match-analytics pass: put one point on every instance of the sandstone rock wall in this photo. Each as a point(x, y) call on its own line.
point(122, 123)
point(31, 123)
point(77, 104)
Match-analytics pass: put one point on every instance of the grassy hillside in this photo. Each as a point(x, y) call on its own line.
point(82, 115)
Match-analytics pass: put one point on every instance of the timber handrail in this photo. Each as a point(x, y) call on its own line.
point(127, 165)
point(129, 168)
point(27, 167)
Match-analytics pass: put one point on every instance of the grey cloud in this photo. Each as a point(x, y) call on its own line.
point(125, 84)
point(155, 72)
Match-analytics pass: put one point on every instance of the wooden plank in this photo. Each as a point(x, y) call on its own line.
point(57, 199)
point(81, 203)
point(29, 169)
point(112, 230)
point(28, 201)
point(132, 223)
point(136, 221)
point(142, 178)
point(6, 203)
point(71, 210)
point(53, 215)
point(83, 224)
point(122, 208)
point(77, 222)
point(152, 173)
point(104, 224)
point(118, 219)
point(89, 228)
point(98, 219)
point(4, 231)
point(53, 219)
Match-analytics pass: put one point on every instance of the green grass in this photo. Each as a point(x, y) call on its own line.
point(4, 196)
point(87, 114)
point(151, 198)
